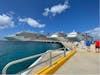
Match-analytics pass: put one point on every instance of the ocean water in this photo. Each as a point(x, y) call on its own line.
point(13, 50)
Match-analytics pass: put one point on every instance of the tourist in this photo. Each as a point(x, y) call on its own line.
point(88, 44)
point(97, 46)
point(82, 44)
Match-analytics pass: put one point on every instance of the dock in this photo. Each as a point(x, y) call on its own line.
point(66, 62)
point(64, 43)
point(46, 41)
point(82, 63)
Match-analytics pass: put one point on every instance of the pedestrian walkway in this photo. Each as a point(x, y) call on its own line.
point(82, 63)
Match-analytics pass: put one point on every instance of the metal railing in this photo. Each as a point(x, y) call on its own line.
point(4, 71)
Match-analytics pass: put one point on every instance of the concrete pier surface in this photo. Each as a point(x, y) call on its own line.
point(82, 63)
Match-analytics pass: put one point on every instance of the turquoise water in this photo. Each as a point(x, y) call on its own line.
point(11, 50)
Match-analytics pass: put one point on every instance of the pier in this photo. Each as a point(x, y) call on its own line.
point(46, 41)
point(64, 43)
point(82, 62)
point(62, 62)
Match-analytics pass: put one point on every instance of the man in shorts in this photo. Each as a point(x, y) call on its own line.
point(88, 43)
point(97, 46)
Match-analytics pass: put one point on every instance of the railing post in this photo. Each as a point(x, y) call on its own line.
point(64, 52)
point(50, 63)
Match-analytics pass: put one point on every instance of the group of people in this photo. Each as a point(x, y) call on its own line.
point(88, 44)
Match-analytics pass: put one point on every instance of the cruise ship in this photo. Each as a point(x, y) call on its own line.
point(77, 36)
point(26, 36)
point(59, 36)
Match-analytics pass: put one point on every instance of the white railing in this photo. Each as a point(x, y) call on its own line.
point(4, 71)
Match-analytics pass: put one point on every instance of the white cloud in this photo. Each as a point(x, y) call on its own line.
point(6, 21)
point(56, 9)
point(95, 32)
point(32, 22)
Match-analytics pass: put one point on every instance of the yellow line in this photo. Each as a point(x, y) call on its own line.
point(56, 65)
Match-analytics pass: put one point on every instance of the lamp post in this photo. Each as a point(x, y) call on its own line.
point(86, 36)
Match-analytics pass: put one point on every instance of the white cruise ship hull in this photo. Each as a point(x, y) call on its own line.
point(75, 37)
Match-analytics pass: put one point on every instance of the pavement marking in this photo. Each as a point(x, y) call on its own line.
point(56, 65)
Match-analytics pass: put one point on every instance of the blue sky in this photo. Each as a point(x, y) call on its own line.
point(49, 16)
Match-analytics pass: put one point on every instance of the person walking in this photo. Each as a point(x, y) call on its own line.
point(97, 46)
point(82, 44)
point(88, 43)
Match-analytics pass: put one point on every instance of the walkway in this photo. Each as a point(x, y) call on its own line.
point(82, 63)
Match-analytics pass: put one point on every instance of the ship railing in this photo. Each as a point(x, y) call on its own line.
point(4, 71)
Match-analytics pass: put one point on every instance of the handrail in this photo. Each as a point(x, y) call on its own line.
point(28, 58)
point(39, 63)
point(18, 61)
